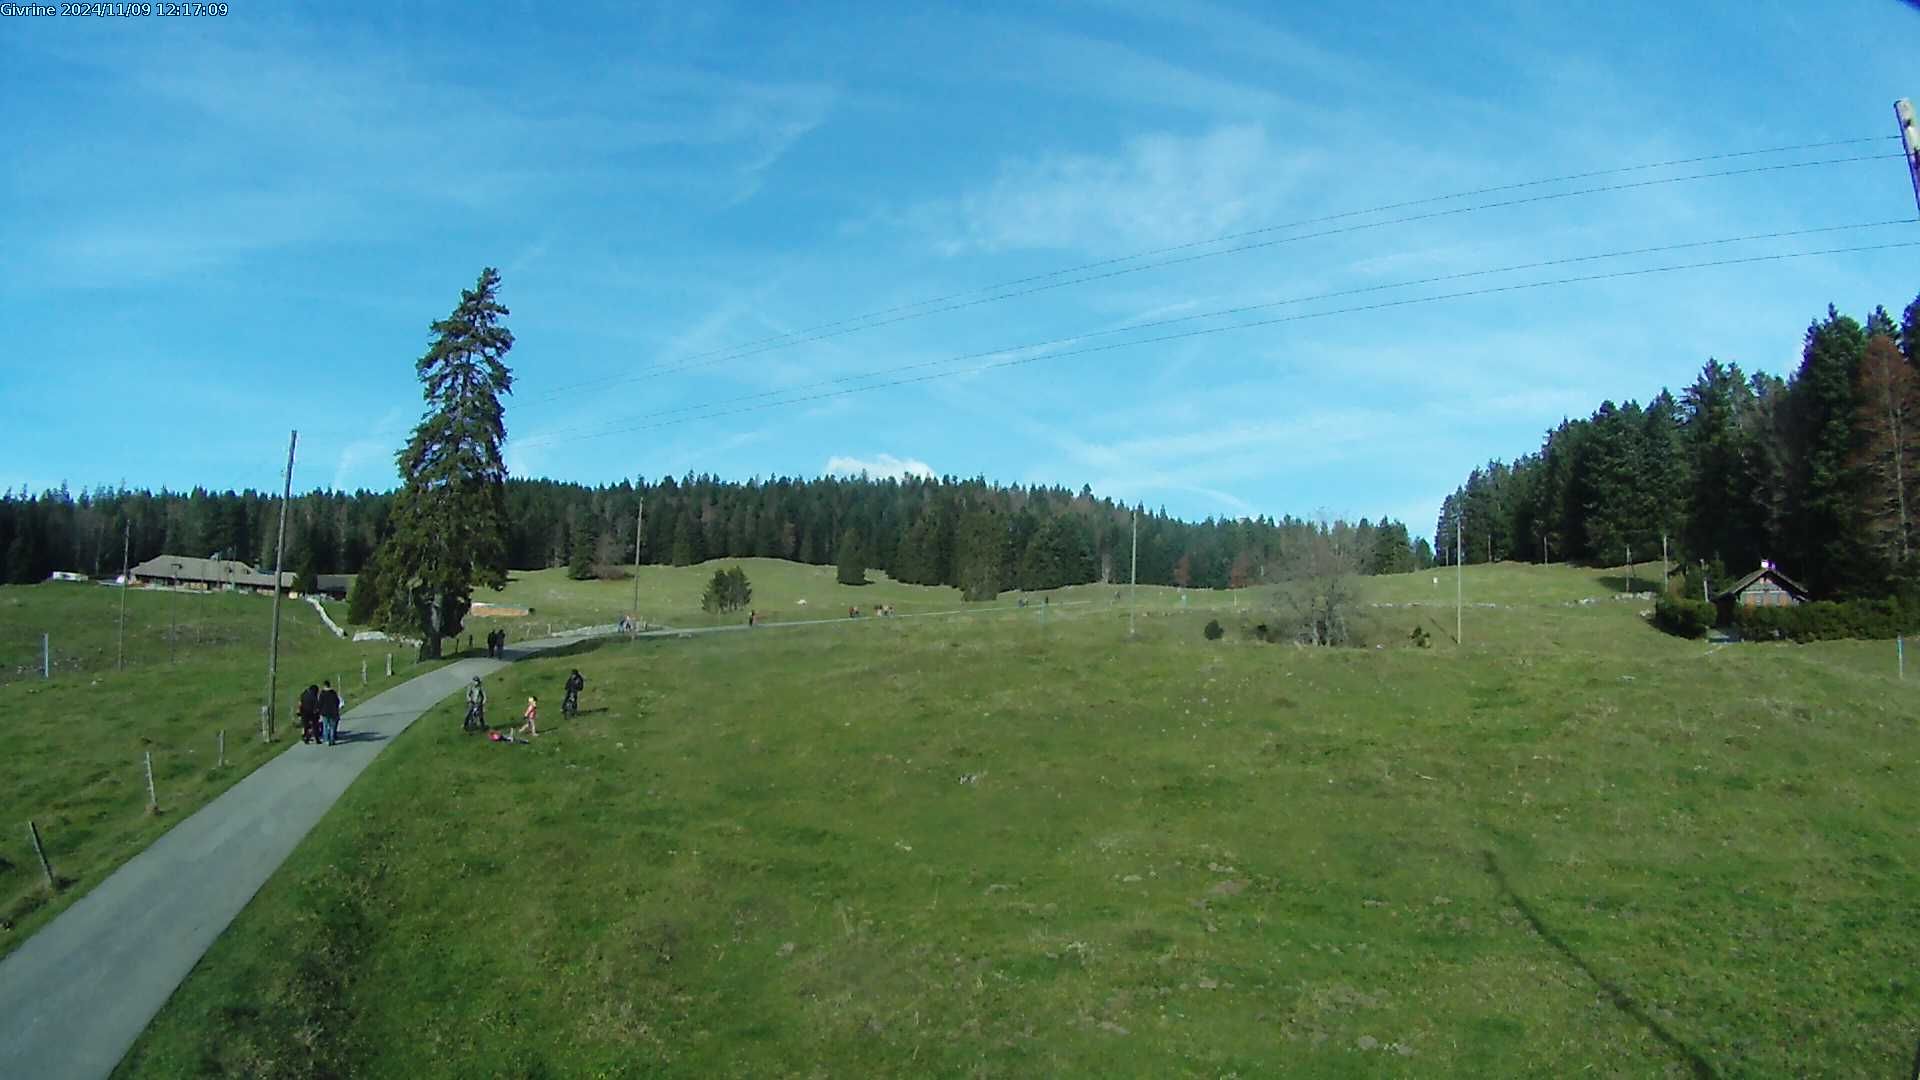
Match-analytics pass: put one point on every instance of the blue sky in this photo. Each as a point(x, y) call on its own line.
point(214, 230)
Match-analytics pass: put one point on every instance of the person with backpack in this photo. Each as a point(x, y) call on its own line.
point(476, 707)
point(308, 710)
point(329, 711)
point(570, 704)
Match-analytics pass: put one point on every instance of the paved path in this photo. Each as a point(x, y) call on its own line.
point(75, 996)
point(78, 993)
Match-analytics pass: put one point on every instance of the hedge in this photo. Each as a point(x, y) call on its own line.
point(1824, 620)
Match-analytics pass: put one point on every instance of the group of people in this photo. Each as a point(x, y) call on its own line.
point(476, 719)
point(882, 610)
point(319, 712)
point(496, 643)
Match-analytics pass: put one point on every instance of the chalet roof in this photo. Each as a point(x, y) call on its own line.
point(192, 569)
point(211, 571)
point(1768, 572)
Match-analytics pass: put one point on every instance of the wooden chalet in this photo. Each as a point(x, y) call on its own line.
point(1765, 587)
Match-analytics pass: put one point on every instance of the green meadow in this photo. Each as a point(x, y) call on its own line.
point(76, 743)
point(1026, 843)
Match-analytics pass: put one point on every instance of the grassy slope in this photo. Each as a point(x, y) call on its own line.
point(1574, 844)
point(671, 596)
point(74, 744)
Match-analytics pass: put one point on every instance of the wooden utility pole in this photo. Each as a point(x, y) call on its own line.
point(273, 636)
point(639, 530)
point(1910, 142)
point(126, 551)
point(1133, 592)
point(1459, 582)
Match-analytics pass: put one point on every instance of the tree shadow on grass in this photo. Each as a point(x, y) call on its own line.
point(1615, 993)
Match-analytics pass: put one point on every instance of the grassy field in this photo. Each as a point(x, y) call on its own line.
point(75, 743)
point(671, 595)
point(1002, 846)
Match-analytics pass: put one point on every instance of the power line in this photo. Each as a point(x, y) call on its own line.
point(1205, 331)
point(1267, 305)
point(1027, 286)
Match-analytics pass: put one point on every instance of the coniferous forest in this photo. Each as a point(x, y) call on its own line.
point(967, 533)
point(1818, 473)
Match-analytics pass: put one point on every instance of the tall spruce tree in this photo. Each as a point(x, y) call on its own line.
point(450, 516)
point(852, 571)
point(1826, 537)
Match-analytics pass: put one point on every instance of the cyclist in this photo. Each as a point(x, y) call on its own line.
point(476, 707)
point(571, 703)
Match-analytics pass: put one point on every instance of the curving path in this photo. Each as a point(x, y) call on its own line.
point(77, 994)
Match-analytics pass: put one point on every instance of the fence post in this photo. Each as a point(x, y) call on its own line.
point(363, 671)
point(389, 665)
point(46, 656)
point(153, 800)
point(34, 831)
point(1900, 650)
point(223, 750)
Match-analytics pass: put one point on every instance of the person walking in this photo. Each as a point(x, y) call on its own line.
point(570, 704)
point(309, 713)
point(329, 711)
point(476, 707)
point(532, 717)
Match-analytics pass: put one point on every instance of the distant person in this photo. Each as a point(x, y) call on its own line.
point(476, 707)
point(308, 710)
point(329, 711)
point(531, 716)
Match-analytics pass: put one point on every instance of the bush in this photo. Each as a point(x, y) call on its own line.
point(1825, 620)
point(1682, 617)
point(1214, 630)
point(728, 591)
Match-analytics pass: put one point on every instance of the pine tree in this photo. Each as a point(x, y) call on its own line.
point(1910, 332)
point(1826, 539)
point(1889, 452)
point(580, 561)
point(450, 516)
point(852, 570)
point(364, 600)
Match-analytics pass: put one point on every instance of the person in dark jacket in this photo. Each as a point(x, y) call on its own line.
point(329, 711)
point(575, 683)
point(309, 713)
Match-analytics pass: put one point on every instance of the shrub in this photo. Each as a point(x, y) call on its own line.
point(1214, 630)
point(1825, 620)
point(1682, 617)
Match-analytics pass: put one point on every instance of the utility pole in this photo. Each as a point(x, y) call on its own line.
point(639, 526)
point(1459, 582)
point(1663, 564)
point(273, 636)
point(1910, 141)
point(126, 550)
point(1133, 592)
point(1629, 569)
point(173, 614)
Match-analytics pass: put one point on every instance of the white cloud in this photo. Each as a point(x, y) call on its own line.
point(1160, 189)
point(880, 467)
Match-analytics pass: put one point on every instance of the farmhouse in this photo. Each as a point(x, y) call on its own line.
point(1765, 587)
point(187, 572)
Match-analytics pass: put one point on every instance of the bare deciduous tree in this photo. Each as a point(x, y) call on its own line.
point(1320, 584)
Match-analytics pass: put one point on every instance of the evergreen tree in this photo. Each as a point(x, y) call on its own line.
point(306, 576)
point(1889, 451)
point(450, 516)
point(1825, 537)
point(580, 563)
point(1910, 332)
point(363, 599)
point(852, 570)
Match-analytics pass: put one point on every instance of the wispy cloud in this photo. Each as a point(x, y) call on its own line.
point(1158, 189)
point(881, 466)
